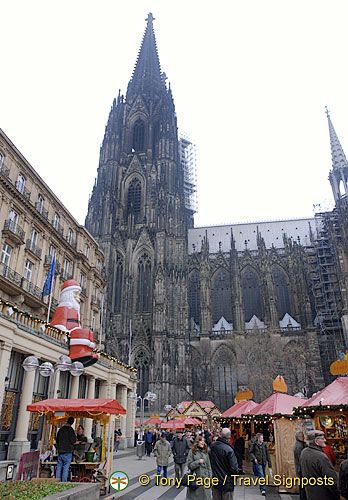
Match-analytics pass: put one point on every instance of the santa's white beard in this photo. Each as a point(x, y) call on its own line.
point(67, 299)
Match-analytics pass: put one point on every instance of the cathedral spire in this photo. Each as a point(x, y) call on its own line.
point(147, 77)
point(338, 176)
point(339, 159)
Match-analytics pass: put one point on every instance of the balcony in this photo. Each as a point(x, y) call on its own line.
point(39, 207)
point(33, 249)
point(23, 190)
point(57, 227)
point(66, 276)
point(29, 287)
point(10, 275)
point(48, 262)
point(95, 302)
point(5, 172)
point(14, 232)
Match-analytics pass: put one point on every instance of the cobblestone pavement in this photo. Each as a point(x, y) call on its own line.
point(126, 461)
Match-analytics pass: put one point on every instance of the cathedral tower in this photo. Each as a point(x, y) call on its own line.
point(137, 213)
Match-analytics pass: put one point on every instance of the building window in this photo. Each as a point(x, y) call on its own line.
point(20, 184)
point(52, 251)
point(13, 219)
point(33, 238)
point(281, 291)
point(93, 320)
point(138, 136)
point(98, 265)
point(39, 204)
point(66, 266)
point(134, 197)
point(251, 294)
point(118, 285)
point(6, 254)
point(82, 280)
point(144, 284)
point(55, 222)
point(222, 297)
point(141, 363)
point(193, 297)
point(69, 236)
point(1, 160)
point(28, 270)
point(86, 251)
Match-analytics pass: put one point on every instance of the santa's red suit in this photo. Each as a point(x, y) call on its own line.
point(66, 317)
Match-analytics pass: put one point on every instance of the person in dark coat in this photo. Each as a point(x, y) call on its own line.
point(239, 450)
point(66, 439)
point(316, 465)
point(298, 447)
point(180, 450)
point(260, 457)
point(224, 465)
point(148, 442)
point(343, 479)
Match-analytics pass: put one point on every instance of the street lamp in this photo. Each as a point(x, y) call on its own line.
point(177, 409)
point(151, 397)
point(46, 369)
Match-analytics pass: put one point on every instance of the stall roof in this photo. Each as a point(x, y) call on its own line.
point(93, 405)
point(242, 407)
point(334, 394)
point(179, 424)
point(153, 421)
point(278, 403)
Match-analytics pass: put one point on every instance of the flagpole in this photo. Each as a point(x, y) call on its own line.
point(50, 301)
point(130, 341)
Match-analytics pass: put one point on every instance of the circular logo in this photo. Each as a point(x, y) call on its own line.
point(119, 480)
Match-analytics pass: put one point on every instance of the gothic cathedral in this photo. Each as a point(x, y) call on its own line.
point(202, 312)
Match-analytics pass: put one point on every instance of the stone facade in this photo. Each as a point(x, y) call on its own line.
point(35, 227)
point(200, 312)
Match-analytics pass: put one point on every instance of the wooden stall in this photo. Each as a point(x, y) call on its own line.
point(329, 410)
point(57, 411)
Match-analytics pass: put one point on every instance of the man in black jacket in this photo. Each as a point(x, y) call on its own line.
point(298, 447)
point(224, 465)
point(180, 450)
point(66, 438)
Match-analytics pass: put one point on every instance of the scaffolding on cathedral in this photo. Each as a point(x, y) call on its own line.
point(187, 152)
point(326, 289)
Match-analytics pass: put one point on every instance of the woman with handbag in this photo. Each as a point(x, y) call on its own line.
point(198, 463)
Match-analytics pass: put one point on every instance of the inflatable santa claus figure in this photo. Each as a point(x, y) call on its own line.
point(67, 318)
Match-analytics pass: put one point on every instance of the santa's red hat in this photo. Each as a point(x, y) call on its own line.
point(72, 285)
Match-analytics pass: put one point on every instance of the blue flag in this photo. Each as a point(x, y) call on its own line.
point(50, 277)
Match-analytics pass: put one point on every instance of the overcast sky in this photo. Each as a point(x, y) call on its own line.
point(250, 81)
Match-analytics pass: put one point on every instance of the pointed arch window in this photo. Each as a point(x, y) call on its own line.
point(118, 285)
point(281, 291)
point(144, 284)
point(222, 298)
point(193, 297)
point(142, 364)
point(251, 295)
point(134, 197)
point(138, 135)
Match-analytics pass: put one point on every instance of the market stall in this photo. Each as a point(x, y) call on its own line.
point(232, 416)
point(329, 409)
point(154, 422)
point(57, 411)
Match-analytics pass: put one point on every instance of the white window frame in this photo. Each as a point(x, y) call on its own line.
point(20, 184)
point(39, 203)
point(82, 280)
point(69, 236)
point(6, 254)
point(52, 251)
point(1, 160)
point(33, 238)
point(66, 267)
point(28, 271)
point(56, 220)
point(94, 320)
point(86, 252)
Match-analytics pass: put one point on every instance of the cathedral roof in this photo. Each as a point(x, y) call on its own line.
point(339, 159)
point(147, 77)
point(245, 234)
